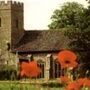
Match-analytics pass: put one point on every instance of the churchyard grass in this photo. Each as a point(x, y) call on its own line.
point(16, 85)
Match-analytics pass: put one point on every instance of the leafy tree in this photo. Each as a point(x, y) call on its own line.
point(67, 16)
point(76, 20)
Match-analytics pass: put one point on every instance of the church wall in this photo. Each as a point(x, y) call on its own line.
point(48, 64)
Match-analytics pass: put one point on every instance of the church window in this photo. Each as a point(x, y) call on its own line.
point(16, 23)
point(41, 64)
point(0, 22)
point(57, 69)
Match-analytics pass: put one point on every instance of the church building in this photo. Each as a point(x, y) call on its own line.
point(18, 45)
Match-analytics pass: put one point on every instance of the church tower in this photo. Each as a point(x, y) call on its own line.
point(11, 23)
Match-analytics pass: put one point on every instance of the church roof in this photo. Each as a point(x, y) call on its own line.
point(42, 40)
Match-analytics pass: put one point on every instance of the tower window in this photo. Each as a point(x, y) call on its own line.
point(16, 23)
point(0, 22)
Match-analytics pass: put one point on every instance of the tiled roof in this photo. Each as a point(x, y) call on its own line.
point(43, 40)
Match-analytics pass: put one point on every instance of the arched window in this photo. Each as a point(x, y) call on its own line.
point(57, 69)
point(17, 23)
point(0, 22)
point(41, 64)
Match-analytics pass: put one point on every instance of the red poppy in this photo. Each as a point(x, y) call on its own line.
point(83, 82)
point(24, 66)
point(30, 69)
point(68, 63)
point(67, 59)
point(73, 86)
point(22, 73)
point(87, 82)
point(67, 54)
point(65, 80)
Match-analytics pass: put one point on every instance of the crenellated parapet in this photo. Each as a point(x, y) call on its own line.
point(11, 15)
point(11, 4)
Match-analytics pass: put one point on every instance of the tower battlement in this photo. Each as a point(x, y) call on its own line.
point(10, 4)
point(11, 24)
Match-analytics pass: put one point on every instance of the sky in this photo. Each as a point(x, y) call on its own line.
point(37, 13)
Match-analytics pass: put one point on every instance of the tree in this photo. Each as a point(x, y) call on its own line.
point(81, 40)
point(76, 20)
point(67, 16)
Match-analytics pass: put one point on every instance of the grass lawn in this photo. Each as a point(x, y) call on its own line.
point(24, 86)
point(8, 85)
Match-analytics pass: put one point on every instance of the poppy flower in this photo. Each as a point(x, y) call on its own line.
point(24, 66)
point(73, 86)
point(83, 82)
point(30, 69)
point(22, 73)
point(68, 63)
point(67, 59)
point(67, 54)
point(65, 79)
point(87, 82)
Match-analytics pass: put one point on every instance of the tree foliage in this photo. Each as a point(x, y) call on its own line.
point(76, 20)
point(67, 16)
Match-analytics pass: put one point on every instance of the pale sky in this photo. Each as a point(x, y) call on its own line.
point(37, 13)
